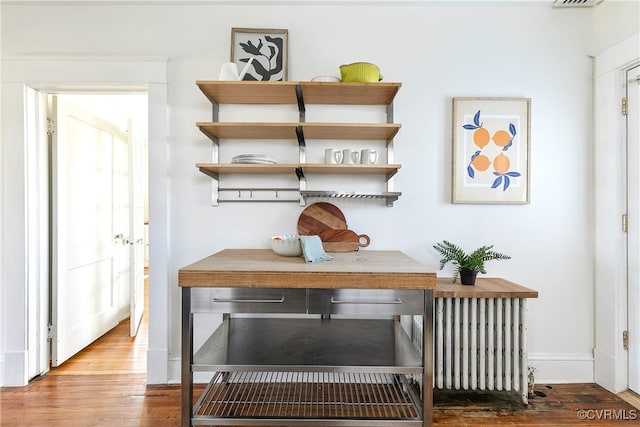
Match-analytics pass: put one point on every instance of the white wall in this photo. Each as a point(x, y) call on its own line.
point(437, 51)
point(614, 21)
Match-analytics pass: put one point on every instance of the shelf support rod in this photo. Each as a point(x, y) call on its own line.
point(215, 183)
point(215, 111)
point(301, 107)
point(390, 150)
point(301, 144)
point(302, 184)
point(215, 144)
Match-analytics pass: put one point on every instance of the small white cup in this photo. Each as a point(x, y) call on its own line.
point(350, 156)
point(332, 156)
point(368, 157)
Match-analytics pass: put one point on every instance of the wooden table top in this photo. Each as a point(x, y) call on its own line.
point(263, 268)
point(489, 287)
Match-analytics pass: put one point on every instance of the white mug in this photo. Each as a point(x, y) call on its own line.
point(350, 157)
point(332, 156)
point(368, 157)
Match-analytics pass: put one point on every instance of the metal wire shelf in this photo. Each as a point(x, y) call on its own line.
point(310, 395)
point(389, 197)
point(237, 194)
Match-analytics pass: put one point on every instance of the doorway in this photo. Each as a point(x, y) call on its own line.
point(25, 79)
point(98, 204)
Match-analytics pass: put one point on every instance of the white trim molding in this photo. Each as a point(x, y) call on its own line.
point(79, 73)
point(269, 2)
point(610, 270)
point(562, 368)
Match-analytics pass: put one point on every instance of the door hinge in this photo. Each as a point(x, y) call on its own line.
point(624, 106)
point(625, 225)
point(51, 127)
point(625, 340)
point(50, 332)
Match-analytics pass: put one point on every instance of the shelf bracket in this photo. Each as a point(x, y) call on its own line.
point(215, 183)
point(390, 153)
point(391, 175)
point(301, 144)
point(215, 145)
point(301, 108)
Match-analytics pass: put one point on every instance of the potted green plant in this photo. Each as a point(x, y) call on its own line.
point(467, 265)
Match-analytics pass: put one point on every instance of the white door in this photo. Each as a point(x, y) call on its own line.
point(136, 240)
point(633, 293)
point(89, 198)
point(37, 238)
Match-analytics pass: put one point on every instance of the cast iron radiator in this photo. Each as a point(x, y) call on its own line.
point(479, 344)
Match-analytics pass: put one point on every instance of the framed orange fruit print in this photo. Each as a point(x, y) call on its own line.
point(490, 152)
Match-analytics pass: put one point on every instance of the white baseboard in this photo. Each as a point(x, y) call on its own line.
point(562, 368)
point(611, 372)
point(175, 371)
point(14, 369)
point(550, 368)
point(124, 311)
point(158, 367)
point(175, 374)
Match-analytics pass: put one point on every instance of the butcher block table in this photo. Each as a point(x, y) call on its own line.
point(323, 344)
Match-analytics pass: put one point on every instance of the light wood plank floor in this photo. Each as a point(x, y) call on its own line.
point(105, 385)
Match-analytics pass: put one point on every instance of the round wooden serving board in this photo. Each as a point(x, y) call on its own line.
point(328, 222)
point(319, 217)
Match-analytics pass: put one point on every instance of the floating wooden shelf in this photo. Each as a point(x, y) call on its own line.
point(241, 92)
point(310, 168)
point(248, 130)
point(339, 93)
point(271, 130)
point(349, 93)
point(242, 168)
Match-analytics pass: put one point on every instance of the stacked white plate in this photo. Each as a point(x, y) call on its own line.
point(260, 159)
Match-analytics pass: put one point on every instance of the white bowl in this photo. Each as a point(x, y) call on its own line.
point(286, 245)
point(325, 79)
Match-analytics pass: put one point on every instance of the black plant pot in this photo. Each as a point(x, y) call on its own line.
point(468, 276)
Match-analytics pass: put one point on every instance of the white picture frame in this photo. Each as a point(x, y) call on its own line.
point(491, 150)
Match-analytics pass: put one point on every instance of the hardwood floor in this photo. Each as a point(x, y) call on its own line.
point(631, 398)
point(105, 385)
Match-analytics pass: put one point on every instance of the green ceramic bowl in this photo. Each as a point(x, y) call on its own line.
point(360, 72)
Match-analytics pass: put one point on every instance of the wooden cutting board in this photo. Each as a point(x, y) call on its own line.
point(320, 216)
point(328, 222)
point(343, 240)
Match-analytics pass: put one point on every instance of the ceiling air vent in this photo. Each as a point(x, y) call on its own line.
point(576, 3)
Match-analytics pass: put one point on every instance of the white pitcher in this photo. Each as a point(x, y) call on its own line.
point(229, 71)
point(368, 157)
point(350, 156)
point(332, 156)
